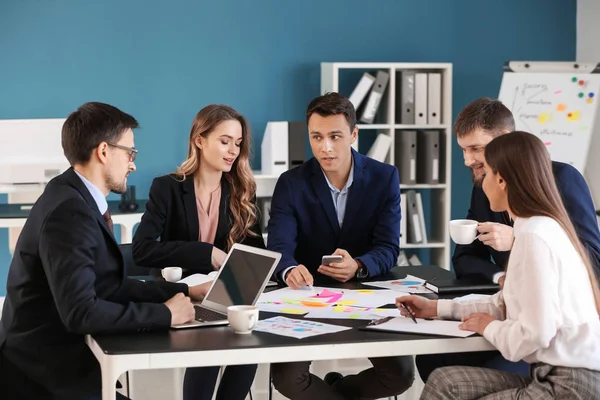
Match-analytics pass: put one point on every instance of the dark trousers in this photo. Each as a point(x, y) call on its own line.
point(199, 383)
point(389, 376)
point(16, 385)
point(426, 364)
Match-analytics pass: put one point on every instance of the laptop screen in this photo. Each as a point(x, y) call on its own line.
point(241, 278)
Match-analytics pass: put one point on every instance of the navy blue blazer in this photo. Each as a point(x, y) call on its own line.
point(476, 258)
point(303, 224)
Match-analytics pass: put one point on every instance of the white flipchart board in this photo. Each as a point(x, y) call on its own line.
point(558, 102)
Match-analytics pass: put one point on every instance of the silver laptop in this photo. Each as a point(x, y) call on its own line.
point(240, 281)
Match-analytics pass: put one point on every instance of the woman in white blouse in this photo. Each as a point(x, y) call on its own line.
point(547, 313)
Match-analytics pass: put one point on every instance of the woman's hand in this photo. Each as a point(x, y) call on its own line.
point(217, 258)
point(476, 322)
point(418, 306)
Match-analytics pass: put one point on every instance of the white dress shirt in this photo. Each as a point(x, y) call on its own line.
point(96, 194)
point(546, 311)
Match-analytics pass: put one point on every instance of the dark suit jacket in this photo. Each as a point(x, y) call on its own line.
point(66, 279)
point(172, 216)
point(303, 224)
point(475, 258)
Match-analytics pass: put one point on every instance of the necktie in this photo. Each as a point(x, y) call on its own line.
point(108, 220)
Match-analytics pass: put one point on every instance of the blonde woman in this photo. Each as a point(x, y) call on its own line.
point(194, 216)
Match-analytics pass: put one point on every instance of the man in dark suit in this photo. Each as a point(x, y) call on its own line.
point(476, 125)
point(339, 202)
point(66, 278)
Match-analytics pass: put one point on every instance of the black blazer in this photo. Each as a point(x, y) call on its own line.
point(172, 217)
point(66, 279)
point(476, 258)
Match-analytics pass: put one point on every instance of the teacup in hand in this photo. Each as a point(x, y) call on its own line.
point(463, 231)
point(242, 319)
point(172, 274)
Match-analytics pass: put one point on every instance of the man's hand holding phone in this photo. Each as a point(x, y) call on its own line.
point(341, 270)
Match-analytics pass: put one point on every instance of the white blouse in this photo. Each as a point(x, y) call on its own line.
point(550, 313)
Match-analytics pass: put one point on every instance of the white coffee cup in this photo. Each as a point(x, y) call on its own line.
point(242, 319)
point(463, 231)
point(172, 274)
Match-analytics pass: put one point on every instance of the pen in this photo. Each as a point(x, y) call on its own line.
point(409, 313)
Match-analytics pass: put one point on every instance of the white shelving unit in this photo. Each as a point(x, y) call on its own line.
point(387, 122)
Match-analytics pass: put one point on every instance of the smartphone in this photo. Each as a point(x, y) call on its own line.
point(326, 260)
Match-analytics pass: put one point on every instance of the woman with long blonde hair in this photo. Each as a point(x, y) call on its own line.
point(194, 216)
point(547, 312)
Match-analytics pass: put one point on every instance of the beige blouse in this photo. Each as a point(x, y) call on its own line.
point(209, 219)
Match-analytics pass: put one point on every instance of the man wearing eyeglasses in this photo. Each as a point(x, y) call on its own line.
point(67, 276)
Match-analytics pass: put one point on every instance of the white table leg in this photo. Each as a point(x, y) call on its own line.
point(109, 384)
point(126, 233)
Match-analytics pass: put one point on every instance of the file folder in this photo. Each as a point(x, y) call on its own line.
point(298, 137)
point(434, 98)
point(463, 285)
point(415, 235)
point(375, 97)
point(380, 148)
point(361, 90)
point(274, 148)
point(405, 109)
point(406, 156)
point(421, 98)
point(403, 219)
point(428, 154)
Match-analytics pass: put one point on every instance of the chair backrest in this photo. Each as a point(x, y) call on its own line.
point(131, 269)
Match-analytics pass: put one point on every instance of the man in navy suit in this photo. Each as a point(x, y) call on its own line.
point(67, 276)
point(338, 202)
point(476, 125)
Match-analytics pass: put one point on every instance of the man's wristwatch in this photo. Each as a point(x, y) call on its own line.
point(361, 272)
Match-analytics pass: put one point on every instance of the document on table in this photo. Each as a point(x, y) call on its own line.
point(197, 279)
point(345, 312)
point(296, 328)
point(423, 326)
point(304, 300)
point(410, 284)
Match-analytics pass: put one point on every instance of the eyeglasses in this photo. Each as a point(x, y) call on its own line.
point(132, 150)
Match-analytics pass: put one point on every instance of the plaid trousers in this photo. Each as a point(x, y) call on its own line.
point(545, 382)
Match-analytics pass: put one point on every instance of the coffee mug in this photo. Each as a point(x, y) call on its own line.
point(242, 319)
point(463, 231)
point(172, 274)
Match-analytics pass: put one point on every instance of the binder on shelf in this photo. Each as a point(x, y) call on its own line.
point(283, 146)
point(428, 155)
point(434, 98)
point(406, 156)
point(374, 99)
point(405, 108)
point(297, 138)
point(421, 217)
point(415, 234)
point(421, 98)
point(380, 148)
point(274, 148)
point(403, 219)
point(361, 89)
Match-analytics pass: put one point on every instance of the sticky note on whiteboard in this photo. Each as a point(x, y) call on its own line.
point(573, 116)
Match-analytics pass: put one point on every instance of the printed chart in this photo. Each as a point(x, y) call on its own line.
point(296, 328)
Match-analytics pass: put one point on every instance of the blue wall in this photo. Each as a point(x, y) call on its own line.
point(162, 61)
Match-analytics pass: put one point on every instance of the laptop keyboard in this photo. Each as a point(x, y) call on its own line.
point(203, 314)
